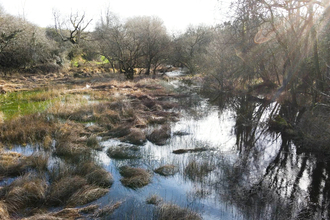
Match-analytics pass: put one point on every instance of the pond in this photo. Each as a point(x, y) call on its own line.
point(230, 165)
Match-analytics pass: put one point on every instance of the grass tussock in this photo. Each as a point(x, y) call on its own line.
point(160, 135)
point(11, 164)
point(173, 212)
point(124, 152)
point(26, 191)
point(15, 164)
point(154, 200)
point(167, 170)
point(4, 215)
point(68, 136)
point(28, 129)
point(134, 177)
point(62, 189)
point(107, 210)
point(136, 136)
point(95, 174)
point(85, 195)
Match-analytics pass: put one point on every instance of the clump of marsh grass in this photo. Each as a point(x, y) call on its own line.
point(12, 164)
point(67, 138)
point(167, 170)
point(136, 136)
point(62, 189)
point(4, 215)
point(173, 212)
point(160, 135)
point(134, 177)
point(85, 195)
point(15, 164)
point(95, 174)
point(26, 191)
point(107, 210)
point(92, 142)
point(124, 152)
point(28, 129)
point(154, 200)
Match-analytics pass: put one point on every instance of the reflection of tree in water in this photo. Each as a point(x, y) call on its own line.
point(269, 180)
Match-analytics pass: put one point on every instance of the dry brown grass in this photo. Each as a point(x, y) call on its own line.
point(107, 210)
point(124, 152)
point(28, 129)
point(4, 215)
point(26, 191)
point(136, 136)
point(167, 170)
point(85, 195)
point(67, 137)
point(2, 117)
point(134, 177)
point(154, 200)
point(174, 212)
point(62, 189)
point(95, 174)
point(160, 135)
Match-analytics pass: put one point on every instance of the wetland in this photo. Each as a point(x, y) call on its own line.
point(108, 148)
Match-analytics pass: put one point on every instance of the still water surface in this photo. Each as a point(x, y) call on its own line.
point(247, 171)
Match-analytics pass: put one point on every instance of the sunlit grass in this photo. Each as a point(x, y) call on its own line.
point(26, 102)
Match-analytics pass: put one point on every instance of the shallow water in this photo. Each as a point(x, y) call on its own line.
point(248, 172)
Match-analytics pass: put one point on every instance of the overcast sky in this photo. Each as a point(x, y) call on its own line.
point(176, 14)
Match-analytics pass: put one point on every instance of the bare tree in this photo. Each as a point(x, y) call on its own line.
point(71, 30)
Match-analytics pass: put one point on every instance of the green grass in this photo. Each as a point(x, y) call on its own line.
point(23, 103)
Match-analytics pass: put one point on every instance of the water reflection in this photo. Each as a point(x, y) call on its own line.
point(247, 172)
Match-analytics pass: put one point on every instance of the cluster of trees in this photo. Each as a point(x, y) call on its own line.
point(139, 43)
point(282, 43)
